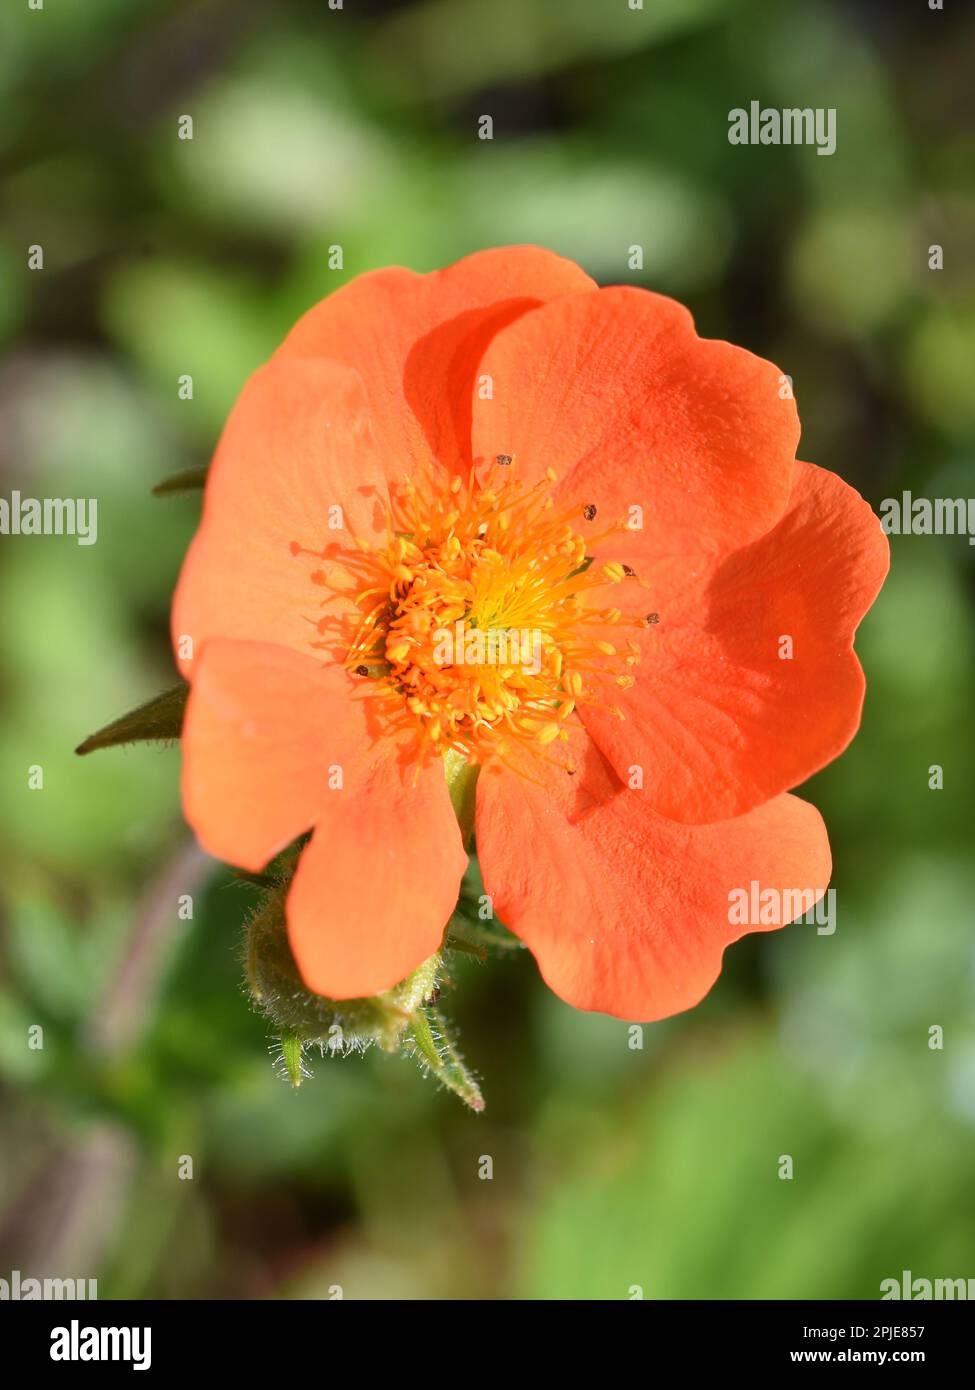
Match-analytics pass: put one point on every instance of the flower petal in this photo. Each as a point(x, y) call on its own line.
point(377, 884)
point(267, 731)
point(297, 445)
point(625, 912)
point(263, 727)
point(617, 394)
point(417, 339)
point(718, 718)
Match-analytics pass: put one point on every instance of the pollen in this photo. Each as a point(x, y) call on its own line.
point(478, 617)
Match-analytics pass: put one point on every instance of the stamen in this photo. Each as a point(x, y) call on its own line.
point(472, 616)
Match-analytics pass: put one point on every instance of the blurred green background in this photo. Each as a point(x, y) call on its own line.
point(613, 1167)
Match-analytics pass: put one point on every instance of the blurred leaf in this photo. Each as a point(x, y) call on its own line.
point(191, 320)
point(684, 1199)
point(450, 46)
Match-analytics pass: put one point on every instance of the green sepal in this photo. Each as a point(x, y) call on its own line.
point(160, 718)
point(336, 1025)
point(292, 1050)
point(467, 928)
point(461, 780)
point(302, 1019)
point(189, 480)
point(478, 938)
point(437, 1054)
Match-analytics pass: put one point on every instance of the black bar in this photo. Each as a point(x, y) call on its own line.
point(277, 1337)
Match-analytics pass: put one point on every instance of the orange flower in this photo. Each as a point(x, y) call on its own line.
point(504, 446)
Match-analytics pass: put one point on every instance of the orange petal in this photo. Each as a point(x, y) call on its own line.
point(265, 728)
point(377, 884)
point(297, 445)
point(618, 395)
point(417, 339)
point(274, 744)
point(717, 719)
point(625, 912)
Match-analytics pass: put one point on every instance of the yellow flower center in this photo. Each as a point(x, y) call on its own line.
point(476, 622)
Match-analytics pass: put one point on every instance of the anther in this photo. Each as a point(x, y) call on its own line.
point(589, 512)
